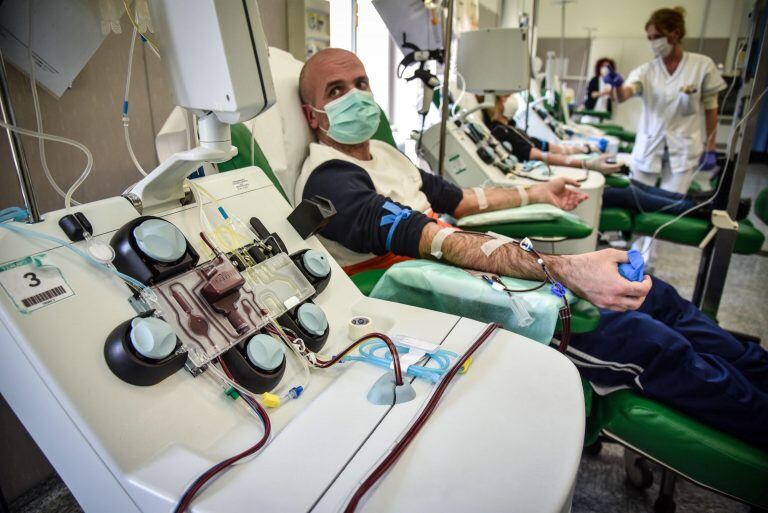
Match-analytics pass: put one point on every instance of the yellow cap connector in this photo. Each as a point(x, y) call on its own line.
point(270, 400)
point(465, 367)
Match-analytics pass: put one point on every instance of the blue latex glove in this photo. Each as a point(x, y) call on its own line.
point(708, 160)
point(633, 270)
point(613, 79)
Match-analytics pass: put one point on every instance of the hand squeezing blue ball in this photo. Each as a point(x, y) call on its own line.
point(633, 270)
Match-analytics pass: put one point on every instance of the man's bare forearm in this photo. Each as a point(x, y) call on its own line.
point(556, 159)
point(624, 93)
point(464, 250)
point(496, 197)
point(593, 276)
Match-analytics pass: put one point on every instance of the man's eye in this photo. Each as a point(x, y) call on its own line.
point(362, 84)
point(334, 92)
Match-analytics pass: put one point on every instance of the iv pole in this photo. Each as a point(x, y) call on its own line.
point(446, 86)
point(17, 150)
point(716, 257)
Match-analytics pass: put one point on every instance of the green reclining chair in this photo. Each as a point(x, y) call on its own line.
point(650, 428)
point(687, 230)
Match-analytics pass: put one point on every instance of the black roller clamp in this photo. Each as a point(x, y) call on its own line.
point(319, 283)
point(249, 376)
point(75, 225)
point(131, 367)
point(289, 321)
point(130, 259)
point(311, 215)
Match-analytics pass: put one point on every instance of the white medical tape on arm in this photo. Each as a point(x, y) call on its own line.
point(492, 245)
point(436, 248)
point(523, 195)
point(482, 201)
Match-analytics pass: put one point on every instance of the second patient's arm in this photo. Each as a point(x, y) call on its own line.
point(555, 192)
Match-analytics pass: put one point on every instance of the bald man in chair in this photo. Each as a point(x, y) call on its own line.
point(649, 338)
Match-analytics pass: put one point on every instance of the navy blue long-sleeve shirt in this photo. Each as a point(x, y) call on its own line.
point(357, 223)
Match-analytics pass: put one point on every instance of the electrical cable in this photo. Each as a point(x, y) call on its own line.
point(146, 38)
point(399, 448)
point(39, 117)
point(720, 184)
point(68, 200)
point(126, 119)
point(209, 474)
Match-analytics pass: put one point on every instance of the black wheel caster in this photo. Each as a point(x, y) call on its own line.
point(638, 471)
point(664, 504)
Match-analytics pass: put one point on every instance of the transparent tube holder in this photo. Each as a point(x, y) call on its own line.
point(278, 284)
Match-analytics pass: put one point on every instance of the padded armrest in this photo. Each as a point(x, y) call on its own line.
point(624, 135)
point(616, 180)
point(567, 227)
point(600, 114)
point(615, 219)
point(691, 231)
point(365, 281)
point(695, 450)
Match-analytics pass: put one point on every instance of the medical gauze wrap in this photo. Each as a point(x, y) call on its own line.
point(452, 290)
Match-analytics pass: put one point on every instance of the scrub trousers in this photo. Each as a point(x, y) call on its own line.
point(672, 182)
point(671, 352)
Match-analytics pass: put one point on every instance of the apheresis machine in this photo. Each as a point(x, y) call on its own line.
point(190, 345)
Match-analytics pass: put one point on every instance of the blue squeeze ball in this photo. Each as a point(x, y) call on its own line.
point(633, 270)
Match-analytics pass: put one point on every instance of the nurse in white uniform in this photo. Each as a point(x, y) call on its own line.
point(679, 90)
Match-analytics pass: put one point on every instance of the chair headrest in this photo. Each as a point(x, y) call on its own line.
point(284, 141)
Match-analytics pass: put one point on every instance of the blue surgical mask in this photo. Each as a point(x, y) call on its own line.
point(352, 118)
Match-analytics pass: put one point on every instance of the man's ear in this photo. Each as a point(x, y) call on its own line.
point(310, 116)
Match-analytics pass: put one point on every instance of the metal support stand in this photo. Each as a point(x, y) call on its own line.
point(665, 503)
point(532, 54)
point(3, 504)
point(716, 257)
point(448, 30)
point(17, 150)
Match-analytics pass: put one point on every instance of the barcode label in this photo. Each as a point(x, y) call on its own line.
point(43, 296)
point(33, 283)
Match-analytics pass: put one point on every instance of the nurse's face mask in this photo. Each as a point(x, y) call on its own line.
point(660, 46)
point(352, 118)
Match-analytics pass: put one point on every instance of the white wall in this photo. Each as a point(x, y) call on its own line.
point(626, 18)
point(620, 32)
